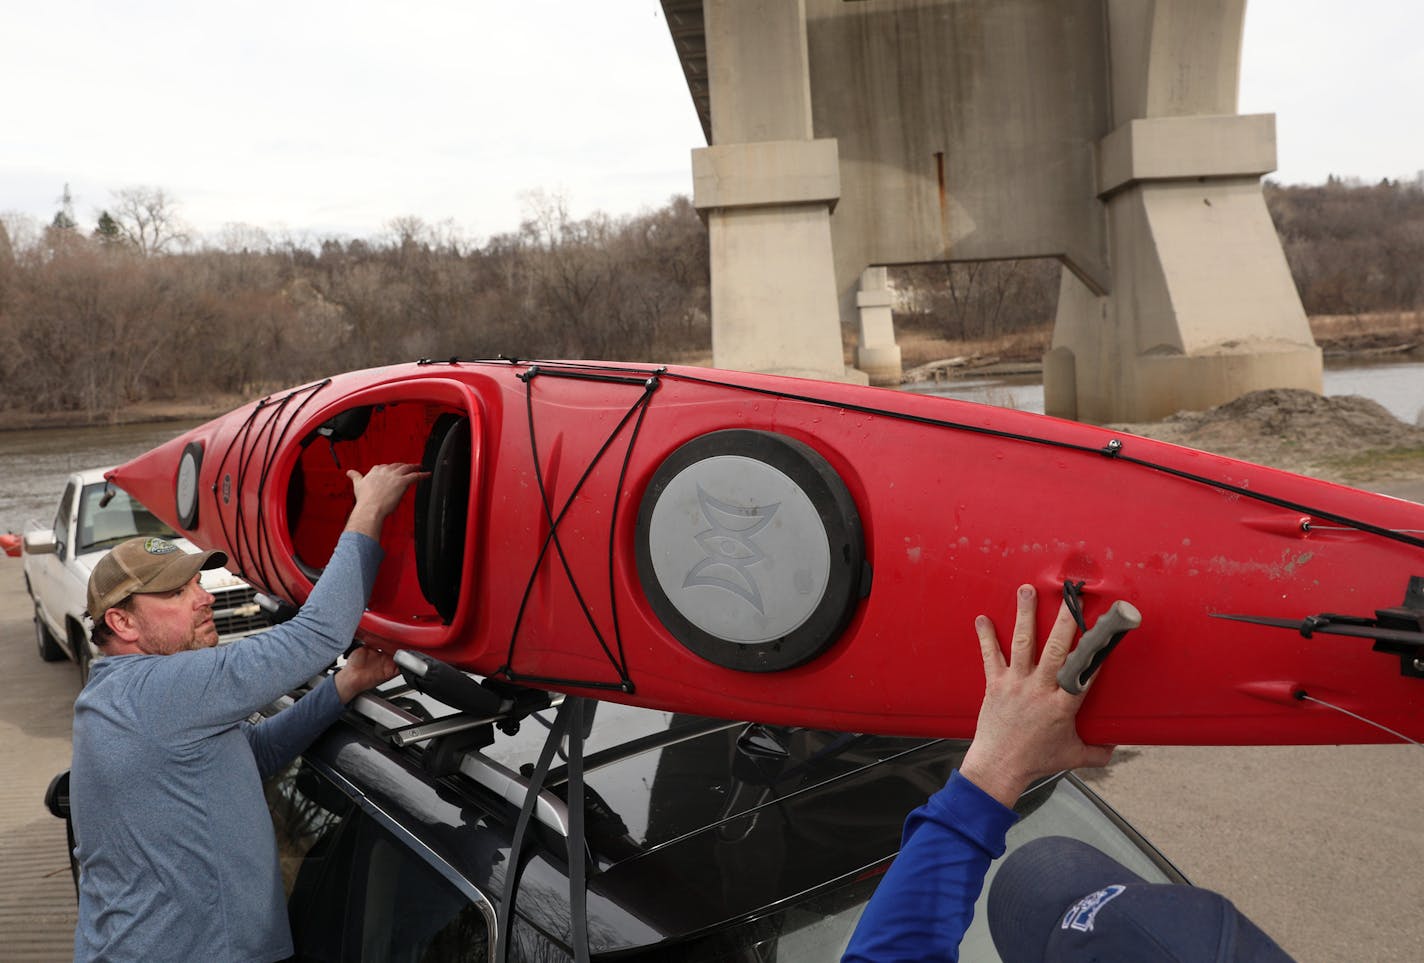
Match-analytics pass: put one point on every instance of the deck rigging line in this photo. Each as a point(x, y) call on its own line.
point(649, 377)
point(649, 384)
point(1113, 449)
point(248, 445)
point(1304, 696)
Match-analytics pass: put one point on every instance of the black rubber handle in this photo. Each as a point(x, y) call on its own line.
point(442, 681)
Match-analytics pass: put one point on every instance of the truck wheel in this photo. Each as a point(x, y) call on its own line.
point(44, 638)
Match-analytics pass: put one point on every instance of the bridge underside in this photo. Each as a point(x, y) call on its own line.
point(1103, 133)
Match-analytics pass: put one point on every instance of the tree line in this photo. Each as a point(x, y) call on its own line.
point(1353, 248)
point(133, 309)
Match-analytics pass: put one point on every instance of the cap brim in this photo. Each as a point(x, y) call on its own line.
point(176, 575)
point(1037, 884)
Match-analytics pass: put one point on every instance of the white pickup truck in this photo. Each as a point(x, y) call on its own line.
point(58, 560)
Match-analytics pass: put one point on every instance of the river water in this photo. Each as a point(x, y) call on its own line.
point(1399, 387)
point(33, 464)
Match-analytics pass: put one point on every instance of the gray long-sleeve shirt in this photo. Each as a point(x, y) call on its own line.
point(177, 856)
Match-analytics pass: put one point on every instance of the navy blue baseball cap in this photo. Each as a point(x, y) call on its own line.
point(1059, 899)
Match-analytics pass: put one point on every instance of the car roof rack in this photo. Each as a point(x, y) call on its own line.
point(454, 744)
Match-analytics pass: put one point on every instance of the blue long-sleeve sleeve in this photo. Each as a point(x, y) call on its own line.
point(277, 741)
point(925, 903)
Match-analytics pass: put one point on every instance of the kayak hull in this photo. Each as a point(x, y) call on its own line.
point(790, 551)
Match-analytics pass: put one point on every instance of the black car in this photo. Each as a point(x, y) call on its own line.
point(701, 839)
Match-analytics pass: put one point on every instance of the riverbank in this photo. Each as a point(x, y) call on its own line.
point(1350, 440)
point(1393, 336)
point(135, 413)
point(1387, 336)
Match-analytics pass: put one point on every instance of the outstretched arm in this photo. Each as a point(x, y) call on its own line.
point(1026, 730)
point(277, 741)
point(1027, 726)
point(221, 686)
point(378, 492)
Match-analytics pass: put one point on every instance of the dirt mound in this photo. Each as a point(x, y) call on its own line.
point(1338, 438)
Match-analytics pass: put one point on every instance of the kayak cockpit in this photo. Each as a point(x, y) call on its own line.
point(422, 578)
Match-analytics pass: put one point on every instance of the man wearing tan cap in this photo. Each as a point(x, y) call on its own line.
point(177, 856)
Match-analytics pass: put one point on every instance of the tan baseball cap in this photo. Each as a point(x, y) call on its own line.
point(141, 566)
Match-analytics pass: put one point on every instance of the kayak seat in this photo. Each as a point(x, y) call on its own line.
point(441, 512)
point(347, 426)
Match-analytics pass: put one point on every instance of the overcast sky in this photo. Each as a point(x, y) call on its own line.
point(323, 117)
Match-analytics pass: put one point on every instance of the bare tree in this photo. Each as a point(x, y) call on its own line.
point(147, 220)
point(408, 230)
point(7, 255)
point(24, 231)
point(979, 300)
point(240, 238)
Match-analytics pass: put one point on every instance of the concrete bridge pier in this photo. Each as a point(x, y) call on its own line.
point(1103, 133)
point(1202, 307)
point(767, 187)
point(876, 352)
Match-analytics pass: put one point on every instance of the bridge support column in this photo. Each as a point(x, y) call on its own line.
point(877, 353)
point(767, 188)
point(1202, 308)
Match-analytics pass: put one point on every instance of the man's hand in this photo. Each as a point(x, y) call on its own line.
point(1027, 725)
point(364, 669)
point(378, 492)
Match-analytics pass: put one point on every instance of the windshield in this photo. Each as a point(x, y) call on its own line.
point(101, 528)
point(818, 929)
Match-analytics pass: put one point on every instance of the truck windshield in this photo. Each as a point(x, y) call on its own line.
point(103, 527)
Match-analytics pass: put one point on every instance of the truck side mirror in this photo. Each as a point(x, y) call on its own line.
point(41, 542)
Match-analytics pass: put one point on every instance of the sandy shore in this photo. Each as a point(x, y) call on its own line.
point(146, 412)
point(1319, 845)
point(37, 908)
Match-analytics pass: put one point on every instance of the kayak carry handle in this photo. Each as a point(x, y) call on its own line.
point(1121, 618)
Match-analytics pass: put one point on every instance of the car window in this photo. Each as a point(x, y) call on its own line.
point(104, 526)
point(819, 928)
point(357, 892)
point(813, 930)
point(409, 913)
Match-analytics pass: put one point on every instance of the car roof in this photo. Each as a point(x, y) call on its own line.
point(91, 476)
point(691, 823)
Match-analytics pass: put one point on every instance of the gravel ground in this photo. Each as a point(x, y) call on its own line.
point(1320, 845)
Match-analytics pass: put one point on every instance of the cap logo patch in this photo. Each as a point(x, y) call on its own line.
point(159, 546)
point(1080, 915)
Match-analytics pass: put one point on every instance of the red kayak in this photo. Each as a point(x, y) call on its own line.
point(798, 552)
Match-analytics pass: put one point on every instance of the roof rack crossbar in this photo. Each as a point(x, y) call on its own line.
point(445, 725)
point(550, 810)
